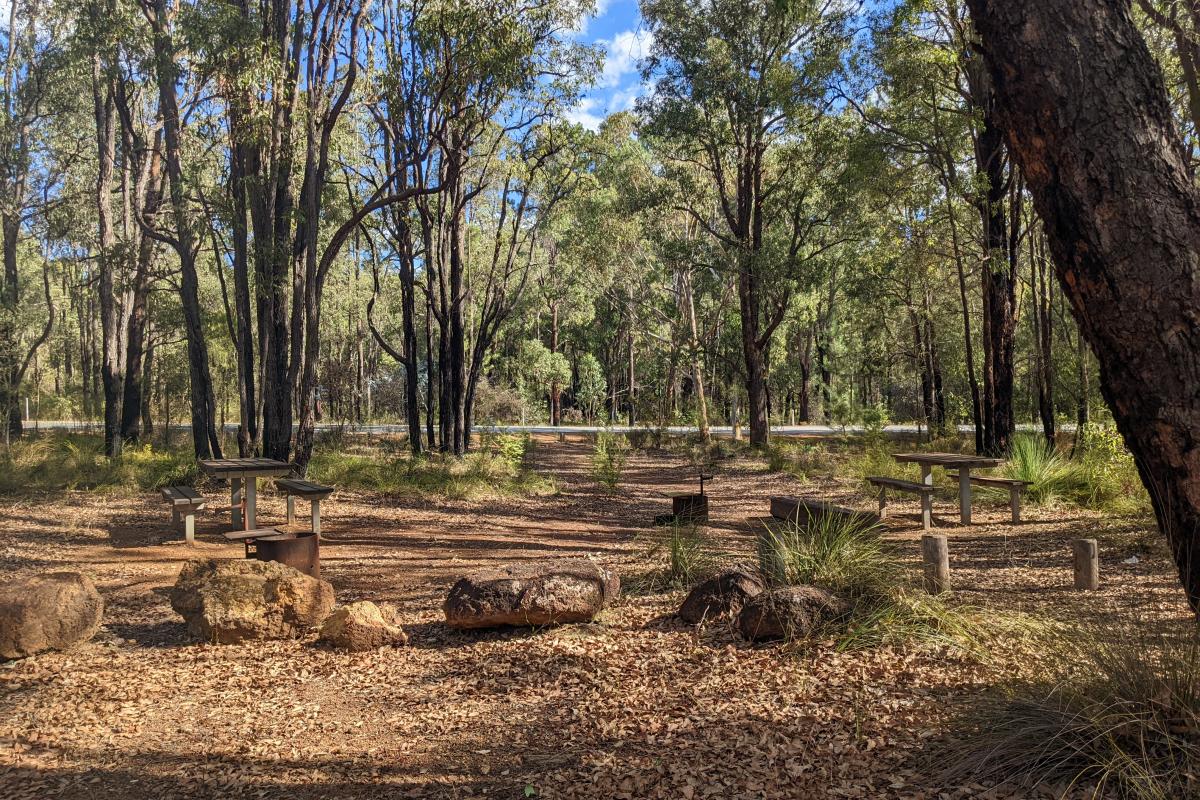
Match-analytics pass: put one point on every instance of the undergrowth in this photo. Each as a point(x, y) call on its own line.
point(848, 557)
point(1100, 475)
point(498, 466)
point(690, 557)
point(608, 459)
point(58, 462)
point(1117, 710)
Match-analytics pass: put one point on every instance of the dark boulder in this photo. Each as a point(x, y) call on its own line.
point(792, 612)
point(722, 594)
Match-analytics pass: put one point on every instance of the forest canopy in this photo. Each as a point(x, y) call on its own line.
point(271, 215)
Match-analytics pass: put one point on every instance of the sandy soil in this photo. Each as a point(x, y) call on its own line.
point(636, 705)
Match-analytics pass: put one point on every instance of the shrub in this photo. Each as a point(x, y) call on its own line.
point(608, 458)
point(1117, 710)
point(1110, 478)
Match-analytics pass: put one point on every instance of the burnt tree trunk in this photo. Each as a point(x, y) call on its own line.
point(1087, 117)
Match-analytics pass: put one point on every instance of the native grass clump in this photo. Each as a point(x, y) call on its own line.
point(1117, 712)
point(846, 555)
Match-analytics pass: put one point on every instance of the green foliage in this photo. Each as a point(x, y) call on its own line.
point(592, 388)
point(1110, 478)
point(539, 371)
point(1052, 476)
point(495, 469)
point(608, 459)
point(57, 462)
point(689, 553)
point(846, 556)
point(1116, 709)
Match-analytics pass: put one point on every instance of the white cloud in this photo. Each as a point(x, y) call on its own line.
point(581, 26)
point(623, 52)
point(587, 112)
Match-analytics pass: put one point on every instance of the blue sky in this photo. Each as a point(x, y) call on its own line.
point(617, 28)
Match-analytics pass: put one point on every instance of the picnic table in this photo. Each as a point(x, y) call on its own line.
point(963, 463)
point(244, 473)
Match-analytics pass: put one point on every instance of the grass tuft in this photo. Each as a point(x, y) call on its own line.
point(847, 556)
point(689, 553)
point(1117, 711)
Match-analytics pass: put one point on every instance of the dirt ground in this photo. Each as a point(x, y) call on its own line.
point(635, 705)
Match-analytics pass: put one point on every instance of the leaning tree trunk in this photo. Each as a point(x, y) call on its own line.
point(1087, 117)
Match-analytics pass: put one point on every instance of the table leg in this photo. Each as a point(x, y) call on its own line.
point(927, 475)
point(251, 500)
point(964, 496)
point(235, 502)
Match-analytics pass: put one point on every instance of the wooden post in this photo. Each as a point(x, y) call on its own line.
point(251, 503)
point(291, 509)
point(316, 518)
point(174, 514)
point(1087, 564)
point(926, 510)
point(235, 501)
point(936, 554)
point(189, 526)
point(964, 496)
point(1014, 500)
point(882, 502)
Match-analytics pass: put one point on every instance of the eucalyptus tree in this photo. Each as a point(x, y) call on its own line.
point(1094, 133)
point(734, 81)
point(29, 181)
point(184, 239)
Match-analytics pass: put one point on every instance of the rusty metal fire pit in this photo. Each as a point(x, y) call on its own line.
point(300, 551)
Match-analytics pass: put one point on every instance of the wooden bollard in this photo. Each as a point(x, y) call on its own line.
point(935, 552)
point(1087, 564)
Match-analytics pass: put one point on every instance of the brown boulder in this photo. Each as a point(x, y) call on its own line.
point(47, 612)
point(231, 600)
point(791, 612)
point(722, 594)
point(362, 626)
point(546, 593)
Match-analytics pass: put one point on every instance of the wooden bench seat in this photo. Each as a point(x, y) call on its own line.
point(925, 492)
point(1014, 487)
point(185, 501)
point(313, 492)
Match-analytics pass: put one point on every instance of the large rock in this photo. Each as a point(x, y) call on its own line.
point(546, 593)
point(47, 612)
point(791, 612)
point(362, 626)
point(231, 600)
point(720, 595)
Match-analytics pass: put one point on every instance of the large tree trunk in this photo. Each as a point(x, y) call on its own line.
point(204, 432)
point(1087, 117)
point(110, 312)
point(137, 386)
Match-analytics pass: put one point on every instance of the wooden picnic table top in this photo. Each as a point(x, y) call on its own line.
point(962, 460)
point(244, 467)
